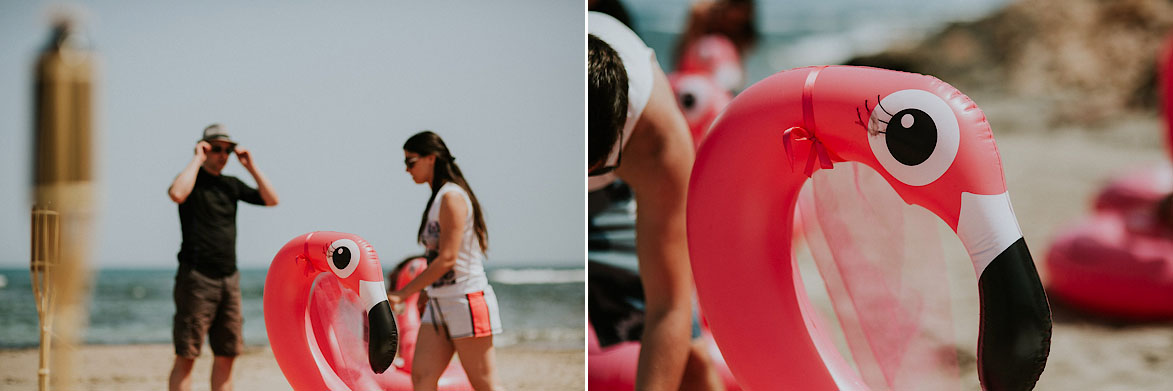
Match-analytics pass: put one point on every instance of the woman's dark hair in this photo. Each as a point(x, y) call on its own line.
point(743, 35)
point(606, 99)
point(427, 143)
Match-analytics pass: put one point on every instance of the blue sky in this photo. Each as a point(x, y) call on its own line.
point(324, 96)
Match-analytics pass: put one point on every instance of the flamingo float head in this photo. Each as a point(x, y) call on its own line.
point(716, 56)
point(930, 143)
point(700, 99)
point(295, 272)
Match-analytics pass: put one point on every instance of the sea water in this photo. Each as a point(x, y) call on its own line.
point(540, 307)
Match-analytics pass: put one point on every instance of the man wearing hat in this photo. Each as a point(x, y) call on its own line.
point(207, 285)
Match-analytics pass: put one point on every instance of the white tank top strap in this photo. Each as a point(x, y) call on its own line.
point(638, 60)
point(452, 188)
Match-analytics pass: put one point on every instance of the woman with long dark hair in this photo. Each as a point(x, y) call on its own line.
point(460, 314)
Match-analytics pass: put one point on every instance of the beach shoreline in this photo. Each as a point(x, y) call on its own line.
point(146, 367)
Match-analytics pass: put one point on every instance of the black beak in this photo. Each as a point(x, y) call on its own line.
point(382, 336)
point(1015, 335)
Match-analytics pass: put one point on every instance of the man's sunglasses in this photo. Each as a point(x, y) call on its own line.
point(228, 149)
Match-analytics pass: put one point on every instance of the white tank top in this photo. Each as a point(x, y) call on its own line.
point(468, 275)
point(638, 60)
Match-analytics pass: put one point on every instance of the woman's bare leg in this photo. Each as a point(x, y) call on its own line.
point(477, 357)
point(433, 352)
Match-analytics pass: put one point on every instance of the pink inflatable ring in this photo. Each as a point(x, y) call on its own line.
point(930, 143)
point(305, 344)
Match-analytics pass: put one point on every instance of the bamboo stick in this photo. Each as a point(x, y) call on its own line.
point(46, 249)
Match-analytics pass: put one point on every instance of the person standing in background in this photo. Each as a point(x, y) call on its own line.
point(207, 284)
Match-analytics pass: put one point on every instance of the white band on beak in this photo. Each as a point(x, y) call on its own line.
point(986, 226)
point(371, 293)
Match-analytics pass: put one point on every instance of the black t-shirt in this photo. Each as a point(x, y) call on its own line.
point(208, 220)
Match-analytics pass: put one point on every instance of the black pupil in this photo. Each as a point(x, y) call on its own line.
point(911, 145)
point(341, 257)
point(687, 101)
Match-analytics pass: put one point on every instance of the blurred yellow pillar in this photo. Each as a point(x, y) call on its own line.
point(63, 209)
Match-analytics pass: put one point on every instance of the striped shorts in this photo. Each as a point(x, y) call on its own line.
point(471, 315)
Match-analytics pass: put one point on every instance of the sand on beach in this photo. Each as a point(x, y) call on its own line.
point(146, 367)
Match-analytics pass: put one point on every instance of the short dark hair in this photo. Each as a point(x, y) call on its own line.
point(606, 99)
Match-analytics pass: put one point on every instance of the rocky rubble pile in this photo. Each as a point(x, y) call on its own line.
point(1089, 60)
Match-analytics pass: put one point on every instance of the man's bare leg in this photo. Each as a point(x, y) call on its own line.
point(222, 373)
point(180, 379)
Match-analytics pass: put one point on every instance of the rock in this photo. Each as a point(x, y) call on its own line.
point(1094, 59)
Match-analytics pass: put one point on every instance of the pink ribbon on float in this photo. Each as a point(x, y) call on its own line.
point(818, 151)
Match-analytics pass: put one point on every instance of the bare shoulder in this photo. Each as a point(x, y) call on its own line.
point(453, 202)
point(450, 197)
point(660, 147)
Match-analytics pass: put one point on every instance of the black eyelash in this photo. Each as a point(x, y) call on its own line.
point(882, 106)
point(859, 116)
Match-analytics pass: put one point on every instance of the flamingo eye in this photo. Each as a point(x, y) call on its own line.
point(914, 135)
point(692, 95)
point(687, 100)
point(343, 257)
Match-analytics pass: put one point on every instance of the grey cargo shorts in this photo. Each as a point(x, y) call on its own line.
point(205, 305)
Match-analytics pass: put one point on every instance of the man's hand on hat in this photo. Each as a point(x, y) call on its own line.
point(201, 150)
point(245, 157)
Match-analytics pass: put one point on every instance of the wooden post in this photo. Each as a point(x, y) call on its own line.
point(63, 198)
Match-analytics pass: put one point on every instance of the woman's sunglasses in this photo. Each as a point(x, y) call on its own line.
point(410, 162)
